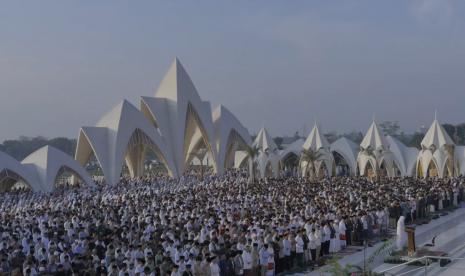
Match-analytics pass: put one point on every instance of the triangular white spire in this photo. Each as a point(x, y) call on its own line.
point(112, 118)
point(122, 111)
point(264, 141)
point(316, 140)
point(374, 138)
point(175, 83)
point(437, 136)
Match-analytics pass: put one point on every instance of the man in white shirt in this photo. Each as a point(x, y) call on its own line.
point(247, 259)
point(326, 239)
point(299, 249)
point(312, 244)
point(287, 252)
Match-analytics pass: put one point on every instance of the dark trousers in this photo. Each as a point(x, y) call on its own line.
point(313, 253)
point(299, 259)
point(324, 248)
point(293, 260)
point(287, 263)
point(280, 265)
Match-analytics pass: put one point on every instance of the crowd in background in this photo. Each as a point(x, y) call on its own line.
point(221, 225)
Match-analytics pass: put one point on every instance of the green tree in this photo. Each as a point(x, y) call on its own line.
point(390, 127)
point(331, 136)
point(416, 139)
point(23, 146)
point(278, 141)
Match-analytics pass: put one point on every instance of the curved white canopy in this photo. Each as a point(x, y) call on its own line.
point(112, 137)
point(47, 162)
point(294, 148)
point(181, 116)
point(405, 157)
point(26, 174)
point(348, 150)
point(230, 134)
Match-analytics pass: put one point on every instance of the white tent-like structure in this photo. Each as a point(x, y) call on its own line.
point(289, 157)
point(460, 160)
point(347, 150)
point(176, 125)
point(437, 155)
point(48, 163)
point(122, 135)
point(375, 156)
point(267, 160)
point(404, 157)
point(13, 172)
point(231, 137)
point(317, 143)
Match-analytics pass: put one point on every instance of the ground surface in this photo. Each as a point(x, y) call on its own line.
point(450, 232)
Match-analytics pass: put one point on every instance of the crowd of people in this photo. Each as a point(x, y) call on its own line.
point(221, 225)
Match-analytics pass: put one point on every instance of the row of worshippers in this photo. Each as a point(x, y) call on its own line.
point(220, 225)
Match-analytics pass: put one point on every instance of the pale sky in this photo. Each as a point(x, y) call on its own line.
point(282, 64)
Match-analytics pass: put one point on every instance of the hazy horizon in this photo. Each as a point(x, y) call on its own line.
point(280, 64)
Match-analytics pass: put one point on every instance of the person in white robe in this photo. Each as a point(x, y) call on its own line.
point(342, 233)
point(334, 244)
point(401, 237)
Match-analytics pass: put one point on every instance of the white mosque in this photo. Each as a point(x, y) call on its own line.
point(181, 129)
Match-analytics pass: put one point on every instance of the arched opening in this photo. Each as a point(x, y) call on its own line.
point(94, 169)
point(370, 170)
point(396, 170)
point(383, 173)
point(235, 143)
point(341, 166)
point(199, 163)
point(419, 166)
point(268, 170)
point(446, 170)
point(322, 170)
point(67, 177)
point(244, 163)
point(290, 164)
point(12, 182)
point(85, 155)
point(143, 157)
point(432, 170)
point(196, 139)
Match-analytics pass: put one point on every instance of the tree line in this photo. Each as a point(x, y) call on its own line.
point(23, 146)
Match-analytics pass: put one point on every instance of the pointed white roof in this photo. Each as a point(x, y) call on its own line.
point(264, 141)
point(112, 118)
point(47, 162)
point(316, 140)
point(437, 136)
point(348, 150)
point(176, 84)
point(374, 138)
